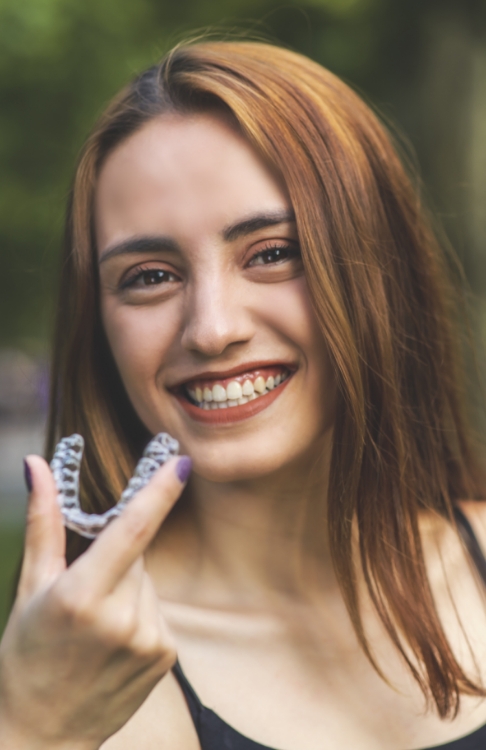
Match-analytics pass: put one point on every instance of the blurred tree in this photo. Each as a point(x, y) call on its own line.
point(423, 62)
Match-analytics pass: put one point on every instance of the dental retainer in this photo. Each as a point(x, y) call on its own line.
point(65, 467)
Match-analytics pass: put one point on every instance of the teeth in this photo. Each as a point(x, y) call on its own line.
point(248, 389)
point(234, 394)
point(234, 391)
point(219, 393)
point(259, 384)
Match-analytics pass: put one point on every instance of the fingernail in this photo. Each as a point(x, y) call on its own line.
point(183, 468)
point(27, 476)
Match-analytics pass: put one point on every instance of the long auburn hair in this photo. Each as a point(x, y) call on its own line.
point(381, 289)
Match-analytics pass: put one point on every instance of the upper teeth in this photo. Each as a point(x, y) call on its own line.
point(247, 389)
point(235, 393)
point(234, 390)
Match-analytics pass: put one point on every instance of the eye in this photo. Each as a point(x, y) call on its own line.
point(274, 254)
point(155, 276)
point(144, 277)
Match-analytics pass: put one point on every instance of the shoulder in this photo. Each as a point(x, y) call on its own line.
point(163, 721)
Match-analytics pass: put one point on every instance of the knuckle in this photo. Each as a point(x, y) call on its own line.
point(148, 647)
point(168, 486)
point(136, 526)
point(31, 516)
point(74, 605)
point(122, 630)
point(33, 521)
point(151, 647)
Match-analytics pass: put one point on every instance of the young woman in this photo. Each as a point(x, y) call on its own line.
point(248, 268)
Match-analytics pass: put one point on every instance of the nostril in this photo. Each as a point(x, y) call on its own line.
point(210, 343)
point(216, 326)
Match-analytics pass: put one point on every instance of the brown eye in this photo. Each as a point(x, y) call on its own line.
point(272, 255)
point(144, 277)
point(155, 276)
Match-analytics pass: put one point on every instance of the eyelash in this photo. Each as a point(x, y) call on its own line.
point(293, 252)
point(139, 272)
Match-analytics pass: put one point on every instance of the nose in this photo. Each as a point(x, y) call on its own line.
point(216, 316)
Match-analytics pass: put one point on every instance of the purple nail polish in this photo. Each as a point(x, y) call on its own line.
point(27, 476)
point(183, 468)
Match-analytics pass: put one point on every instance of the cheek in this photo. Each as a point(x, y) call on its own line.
point(288, 309)
point(320, 389)
point(139, 339)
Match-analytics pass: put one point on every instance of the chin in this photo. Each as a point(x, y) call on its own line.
point(265, 454)
point(240, 469)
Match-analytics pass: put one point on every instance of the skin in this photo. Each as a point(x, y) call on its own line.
point(92, 631)
point(238, 576)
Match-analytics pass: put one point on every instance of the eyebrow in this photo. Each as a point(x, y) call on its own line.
point(230, 233)
point(140, 245)
point(257, 221)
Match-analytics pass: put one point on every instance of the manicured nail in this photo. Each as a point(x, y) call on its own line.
point(27, 476)
point(183, 468)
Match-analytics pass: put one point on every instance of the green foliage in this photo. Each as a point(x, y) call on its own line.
point(11, 540)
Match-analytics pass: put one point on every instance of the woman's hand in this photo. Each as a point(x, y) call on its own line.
point(84, 645)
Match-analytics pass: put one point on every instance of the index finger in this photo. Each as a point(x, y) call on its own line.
point(126, 538)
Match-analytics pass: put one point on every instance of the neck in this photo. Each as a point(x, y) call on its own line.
point(254, 539)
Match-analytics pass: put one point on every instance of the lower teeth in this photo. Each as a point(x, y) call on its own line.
point(213, 405)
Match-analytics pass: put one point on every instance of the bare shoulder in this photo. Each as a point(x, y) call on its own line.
point(475, 512)
point(163, 722)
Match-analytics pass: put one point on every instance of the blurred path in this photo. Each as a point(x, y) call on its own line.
point(16, 441)
point(23, 397)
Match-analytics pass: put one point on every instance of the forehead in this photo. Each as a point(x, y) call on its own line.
point(182, 175)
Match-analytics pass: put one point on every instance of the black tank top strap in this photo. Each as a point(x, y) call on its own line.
point(212, 731)
point(193, 703)
point(470, 540)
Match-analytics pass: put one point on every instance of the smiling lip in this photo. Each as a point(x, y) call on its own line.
point(237, 371)
point(231, 411)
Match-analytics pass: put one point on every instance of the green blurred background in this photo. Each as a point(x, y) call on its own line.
point(422, 63)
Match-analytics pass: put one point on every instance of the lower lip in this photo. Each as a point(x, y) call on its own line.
point(232, 413)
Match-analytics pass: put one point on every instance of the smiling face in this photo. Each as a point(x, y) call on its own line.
point(204, 300)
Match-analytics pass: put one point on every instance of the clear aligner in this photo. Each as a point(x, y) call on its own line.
point(65, 467)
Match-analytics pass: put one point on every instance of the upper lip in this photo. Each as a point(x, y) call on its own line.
point(236, 370)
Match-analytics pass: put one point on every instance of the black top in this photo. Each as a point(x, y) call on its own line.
point(216, 734)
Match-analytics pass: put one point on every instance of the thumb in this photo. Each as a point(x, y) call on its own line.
point(45, 538)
